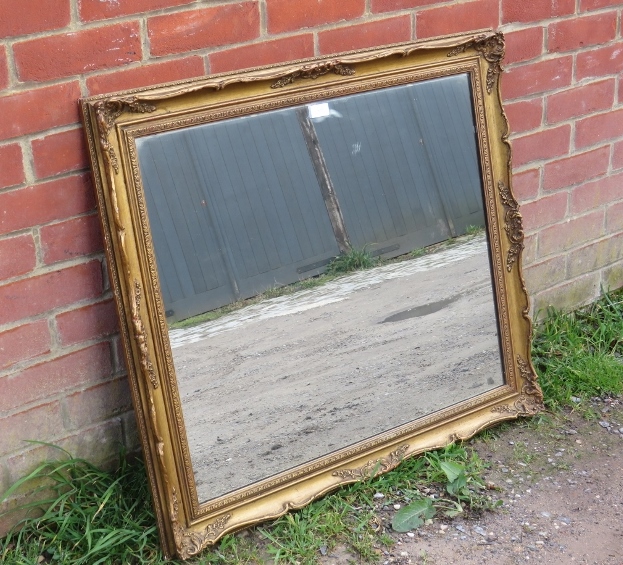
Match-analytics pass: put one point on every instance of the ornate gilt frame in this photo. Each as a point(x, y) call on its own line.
point(113, 122)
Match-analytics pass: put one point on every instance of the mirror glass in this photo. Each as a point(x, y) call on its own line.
point(241, 206)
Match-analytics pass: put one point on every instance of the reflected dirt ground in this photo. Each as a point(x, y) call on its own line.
point(280, 383)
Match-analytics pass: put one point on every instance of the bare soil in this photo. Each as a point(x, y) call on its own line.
point(283, 382)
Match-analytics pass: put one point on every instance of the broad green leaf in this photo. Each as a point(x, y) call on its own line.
point(413, 515)
point(452, 470)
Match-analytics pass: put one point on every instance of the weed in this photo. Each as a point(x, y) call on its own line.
point(353, 260)
point(474, 230)
point(579, 355)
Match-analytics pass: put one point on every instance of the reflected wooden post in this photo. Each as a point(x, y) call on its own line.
point(324, 179)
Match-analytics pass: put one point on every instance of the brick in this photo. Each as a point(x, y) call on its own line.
point(570, 295)
point(523, 45)
point(526, 184)
point(572, 233)
point(595, 256)
point(371, 34)
point(543, 275)
point(59, 153)
point(393, 5)
point(614, 218)
point(581, 32)
point(617, 155)
point(54, 200)
point(96, 404)
point(534, 78)
point(545, 144)
point(39, 423)
point(92, 10)
point(72, 238)
point(39, 109)
point(12, 165)
point(24, 343)
point(32, 16)
point(78, 52)
point(576, 169)
point(455, 18)
point(600, 62)
point(586, 5)
point(600, 128)
point(86, 323)
point(17, 256)
point(200, 29)
point(529, 253)
point(98, 444)
point(47, 379)
point(38, 295)
point(146, 75)
point(544, 211)
point(580, 101)
point(524, 115)
point(264, 53)
point(4, 68)
point(596, 193)
point(285, 15)
point(535, 10)
point(612, 277)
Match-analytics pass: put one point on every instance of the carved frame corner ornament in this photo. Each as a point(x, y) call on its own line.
point(373, 467)
point(530, 401)
point(114, 123)
point(491, 47)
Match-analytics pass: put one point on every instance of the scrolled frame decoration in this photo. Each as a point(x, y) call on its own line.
point(112, 125)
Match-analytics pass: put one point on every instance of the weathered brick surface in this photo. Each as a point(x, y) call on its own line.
point(526, 184)
point(208, 27)
point(42, 421)
point(265, 53)
point(545, 274)
point(17, 256)
point(39, 109)
point(545, 144)
point(391, 5)
point(12, 165)
point(535, 78)
point(596, 193)
point(524, 115)
point(91, 10)
point(32, 16)
point(59, 153)
point(284, 15)
point(523, 44)
point(39, 294)
point(582, 32)
point(576, 169)
point(89, 322)
point(597, 129)
point(24, 343)
point(599, 62)
point(455, 18)
point(586, 5)
point(617, 155)
point(389, 30)
point(535, 10)
point(545, 211)
point(146, 75)
point(614, 218)
point(71, 238)
point(4, 68)
point(571, 233)
point(68, 54)
point(595, 256)
point(90, 365)
point(54, 200)
point(580, 100)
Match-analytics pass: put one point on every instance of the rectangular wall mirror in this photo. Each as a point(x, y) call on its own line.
point(262, 377)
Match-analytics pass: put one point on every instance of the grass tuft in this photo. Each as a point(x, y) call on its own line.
point(354, 260)
point(579, 355)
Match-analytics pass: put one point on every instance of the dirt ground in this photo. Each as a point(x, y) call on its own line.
point(562, 487)
point(280, 383)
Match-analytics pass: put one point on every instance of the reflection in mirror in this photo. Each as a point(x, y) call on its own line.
point(243, 205)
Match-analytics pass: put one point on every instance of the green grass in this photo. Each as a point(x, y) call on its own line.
point(92, 517)
point(580, 354)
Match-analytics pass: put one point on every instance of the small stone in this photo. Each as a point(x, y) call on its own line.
point(480, 531)
point(411, 534)
point(572, 432)
point(379, 495)
point(396, 506)
point(564, 520)
point(443, 527)
point(576, 399)
point(621, 430)
point(323, 549)
point(546, 515)
point(540, 542)
point(404, 554)
point(604, 424)
point(491, 537)
point(461, 528)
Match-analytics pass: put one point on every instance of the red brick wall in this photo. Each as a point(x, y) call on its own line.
point(61, 377)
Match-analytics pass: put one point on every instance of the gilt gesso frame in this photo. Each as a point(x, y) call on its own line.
point(112, 125)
